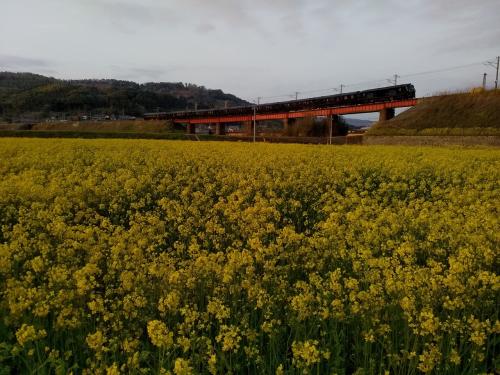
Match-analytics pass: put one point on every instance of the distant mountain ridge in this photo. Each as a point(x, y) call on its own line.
point(28, 95)
point(357, 124)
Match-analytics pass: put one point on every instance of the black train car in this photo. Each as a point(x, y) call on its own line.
point(383, 94)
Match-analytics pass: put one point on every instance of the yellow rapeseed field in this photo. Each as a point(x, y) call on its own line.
point(157, 257)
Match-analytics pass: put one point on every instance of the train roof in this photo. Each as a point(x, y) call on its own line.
point(406, 85)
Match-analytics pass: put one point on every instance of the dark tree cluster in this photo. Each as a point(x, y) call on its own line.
point(27, 94)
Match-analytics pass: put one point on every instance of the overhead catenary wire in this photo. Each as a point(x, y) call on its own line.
point(392, 80)
point(495, 64)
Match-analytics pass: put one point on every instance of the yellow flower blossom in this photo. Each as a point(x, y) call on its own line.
point(170, 303)
point(247, 257)
point(455, 357)
point(306, 354)
point(230, 338)
point(212, 364)
point(113, 370)
point(96, 341)
point(429, 359)
point(159, 334)
point(28, 333)
point(182, 367)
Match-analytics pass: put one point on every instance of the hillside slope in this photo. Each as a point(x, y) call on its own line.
point(26, 95)
point(124, 126)
point(458, 114)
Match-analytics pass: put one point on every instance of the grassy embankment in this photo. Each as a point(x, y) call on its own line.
point(464, 114)
point(129, 126)
point(131, 129)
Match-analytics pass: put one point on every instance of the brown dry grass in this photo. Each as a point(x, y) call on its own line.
point(7, 126)
point(132, 126)
point(475, 113)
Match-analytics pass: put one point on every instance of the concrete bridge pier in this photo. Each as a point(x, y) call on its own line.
point(248, 127)
point(387, 114)
point(288, 126)
point(220, 128)
point(190, 129)
point(331, 121)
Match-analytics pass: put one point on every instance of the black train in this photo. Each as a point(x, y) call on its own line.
point(383, 94)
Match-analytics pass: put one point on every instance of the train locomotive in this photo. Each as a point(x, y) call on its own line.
point(378, 95)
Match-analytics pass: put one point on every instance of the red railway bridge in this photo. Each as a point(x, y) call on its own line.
point(383, 100)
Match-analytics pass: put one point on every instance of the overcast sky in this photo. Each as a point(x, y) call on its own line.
point(254, 47)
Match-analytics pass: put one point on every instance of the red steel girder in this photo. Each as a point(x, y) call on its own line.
point(363, 108)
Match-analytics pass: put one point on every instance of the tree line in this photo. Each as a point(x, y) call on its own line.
point(27, 95)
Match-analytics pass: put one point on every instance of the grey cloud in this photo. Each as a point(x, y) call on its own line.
point(19, 63)
point(462, 15)
point(244, 14)
point(151, 73)
point(22, 62)
point(127, 15)
point(465, 25)
point(473, 43)
point(143, 74)
point(451, 8)
point(159, 73)
point(205, 28)
point(249, 47)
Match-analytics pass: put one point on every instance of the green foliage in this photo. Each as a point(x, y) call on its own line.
point(25, 94)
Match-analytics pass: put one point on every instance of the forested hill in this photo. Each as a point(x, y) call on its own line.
point(27, 95)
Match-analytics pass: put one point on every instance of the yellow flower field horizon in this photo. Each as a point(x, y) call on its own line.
point(175, 257)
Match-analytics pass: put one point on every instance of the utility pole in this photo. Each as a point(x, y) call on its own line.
point(484, 81)
point(496, 80)
point(255, 118)
point(330, 118)
point(254, 122)
point(394, 80)
point(342, 88)
point(296, 95)
point(495, 65)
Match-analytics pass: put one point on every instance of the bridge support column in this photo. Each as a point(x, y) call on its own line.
point(248, 128)
point(286, 126)
point(220, 128)
point(333, 122)
point(190, 129)
point(289, 125)
point(386, 114)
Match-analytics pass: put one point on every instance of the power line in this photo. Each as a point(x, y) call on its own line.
point(392, 80)
point(494, 65)
point(442, 70)
point(334, 89)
